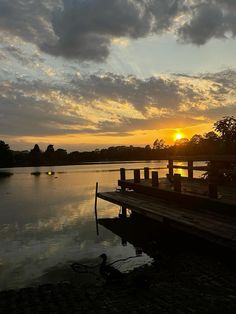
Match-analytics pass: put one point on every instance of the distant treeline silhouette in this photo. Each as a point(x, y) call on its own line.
point(220, 141)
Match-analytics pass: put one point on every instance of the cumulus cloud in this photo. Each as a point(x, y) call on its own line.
point(85, 30)
point(209, 19)
point(26, 110)
point(28, 20)
point(141, 93)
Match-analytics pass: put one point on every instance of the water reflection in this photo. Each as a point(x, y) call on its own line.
point(47, 221)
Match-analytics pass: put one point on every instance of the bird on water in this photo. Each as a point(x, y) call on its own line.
point(108, 272)
point(111, 274)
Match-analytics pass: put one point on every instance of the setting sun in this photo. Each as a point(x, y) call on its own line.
point(178, 136)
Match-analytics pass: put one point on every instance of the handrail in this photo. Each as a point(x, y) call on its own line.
point(198, 168)
point(231, 158)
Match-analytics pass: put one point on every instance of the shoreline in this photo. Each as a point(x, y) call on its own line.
point(89, 163)
point(180, 283)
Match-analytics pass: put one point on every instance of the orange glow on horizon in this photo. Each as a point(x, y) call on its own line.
point(136, 138)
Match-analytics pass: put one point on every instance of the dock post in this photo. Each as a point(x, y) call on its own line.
point(177, 182)
point(170, 166)
point(136, 175)
point(155, 179)
point(212, 182)
point(122, 174)
point(95, 208)
point(190, 169)
point(123, 178)
point(146, 173)
point(212, 187)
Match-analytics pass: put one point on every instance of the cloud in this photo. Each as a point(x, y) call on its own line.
point(86, 30)
point(209, 19)
point(141, 93)
point(26, 110)
point(113, 104)
point(28, 20)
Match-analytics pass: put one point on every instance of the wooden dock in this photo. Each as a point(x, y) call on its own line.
point(200, 207)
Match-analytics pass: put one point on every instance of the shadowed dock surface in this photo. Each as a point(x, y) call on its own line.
point(214, 226)
point(197, 187)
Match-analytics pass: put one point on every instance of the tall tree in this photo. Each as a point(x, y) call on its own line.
point(35, 156)
point(159, 144)
point(5, 155)
point(227, 129)
point(50, 155)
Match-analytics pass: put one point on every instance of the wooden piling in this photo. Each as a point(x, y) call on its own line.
point(212, 181)
point(155, 179)
point(190, 169)
point(122, 174)
point(170, 166)
point(123, 178)
point(146, 173)
point(136, 175)
point(177, 182)
point(95, 208)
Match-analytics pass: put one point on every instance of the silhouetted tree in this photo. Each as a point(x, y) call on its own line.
point(196, 139)
point(227, 129)
point(35, 156)
point(49, 155)
point(5, 155)
point(182, 142)
point(159, 144)
point(211, 137)
point(60, 156)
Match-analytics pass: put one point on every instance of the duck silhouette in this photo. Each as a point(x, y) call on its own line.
point(109, 273)
point(113, 275)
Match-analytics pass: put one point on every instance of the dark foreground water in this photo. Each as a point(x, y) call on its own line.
point(47, 221)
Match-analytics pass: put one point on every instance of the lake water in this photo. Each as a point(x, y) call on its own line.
point(47, 221)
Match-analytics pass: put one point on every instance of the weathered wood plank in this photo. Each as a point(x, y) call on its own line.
point(185, 199)
point(216, 228)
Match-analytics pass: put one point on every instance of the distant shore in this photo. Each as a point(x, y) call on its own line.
point(86, 163)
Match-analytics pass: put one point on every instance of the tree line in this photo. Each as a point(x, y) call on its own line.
point(222, 140)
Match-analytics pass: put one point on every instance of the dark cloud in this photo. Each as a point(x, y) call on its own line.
point(141, 93)
point(24, 112)
point(29, 20)
point(209, 19)
point(79, 29)
point(85, 28)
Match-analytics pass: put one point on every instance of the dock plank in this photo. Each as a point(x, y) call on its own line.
point(215, 227)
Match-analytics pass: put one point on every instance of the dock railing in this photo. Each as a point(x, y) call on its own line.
point(211, 168)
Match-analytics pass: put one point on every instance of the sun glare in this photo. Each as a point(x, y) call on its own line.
point(178, 136)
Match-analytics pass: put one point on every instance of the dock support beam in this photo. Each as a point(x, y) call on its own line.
point(95, 208)
point(177, 182)
point(123, 178)
point(212, 181)
point(155, 179)
point(122, 174)
point(190, 169)
point(136, 175)
point(146, 173)
point(170, 166)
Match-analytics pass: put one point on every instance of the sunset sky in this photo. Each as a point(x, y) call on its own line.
point(86, 74)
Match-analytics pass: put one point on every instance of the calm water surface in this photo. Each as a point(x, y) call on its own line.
point(47, 221)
